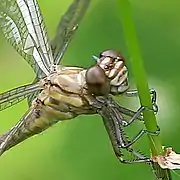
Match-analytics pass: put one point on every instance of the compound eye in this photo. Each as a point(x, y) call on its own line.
point(97, 82)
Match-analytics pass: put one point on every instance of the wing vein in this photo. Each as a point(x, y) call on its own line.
point(67, 27)
point(38, 27)
point(16, 95)
point(23, 27)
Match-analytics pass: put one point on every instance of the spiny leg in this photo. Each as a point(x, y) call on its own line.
point(118, 110)
point(140, 134)
point(140, 158)
point(113, 121)
point(124, 143)
point(134, 115)
point(134, 93)
point(118, 137)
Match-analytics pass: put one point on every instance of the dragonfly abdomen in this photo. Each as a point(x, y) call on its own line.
point(35, 120)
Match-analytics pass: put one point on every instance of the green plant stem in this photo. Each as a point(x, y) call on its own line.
point(140, 77)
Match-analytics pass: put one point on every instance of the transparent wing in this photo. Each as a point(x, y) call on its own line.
point(22, 25)
point(32, 96)
point(16, 95)
point(66, 28)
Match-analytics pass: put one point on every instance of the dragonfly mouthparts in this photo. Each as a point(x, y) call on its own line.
point(95, 58)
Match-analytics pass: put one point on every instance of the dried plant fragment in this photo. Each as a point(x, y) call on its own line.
point(170, 160)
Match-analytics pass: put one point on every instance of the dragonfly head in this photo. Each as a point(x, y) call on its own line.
point(111, 62)
point(109, 75)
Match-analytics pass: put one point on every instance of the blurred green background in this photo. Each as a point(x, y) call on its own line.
point(80, 149)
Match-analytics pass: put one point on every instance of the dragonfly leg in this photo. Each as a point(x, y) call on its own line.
point(134, 93)
point(118, 137)
point(126, 144)
point(139, 135)
point(134, 115)
point(139, 157)
point(118, 110)
point(113, 121)
point(122, 144)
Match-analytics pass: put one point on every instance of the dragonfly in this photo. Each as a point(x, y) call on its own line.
point(58, 92)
